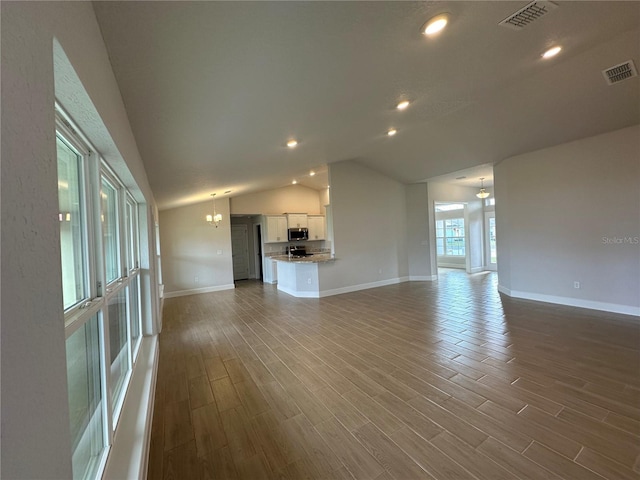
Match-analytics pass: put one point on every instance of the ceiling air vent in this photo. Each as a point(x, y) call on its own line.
point(620, 72)
point(528, 14)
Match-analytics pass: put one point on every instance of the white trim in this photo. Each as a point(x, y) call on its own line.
point(423, 278)
point(572, 302)
point(460, 266)
point(363, 286)
point(505, 290)
point(129, 453)
point(197, 291)
point(296, 294)
point(478, 269)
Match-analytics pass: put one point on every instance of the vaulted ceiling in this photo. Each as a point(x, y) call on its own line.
point(214, 90)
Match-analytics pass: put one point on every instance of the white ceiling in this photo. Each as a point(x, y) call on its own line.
point(214, 90)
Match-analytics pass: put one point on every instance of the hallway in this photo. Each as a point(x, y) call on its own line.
point(438, 379)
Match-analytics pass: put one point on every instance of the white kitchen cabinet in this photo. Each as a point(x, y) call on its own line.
point(316, 227)
point(276, 226)
point(270, 271)
point(297, 220)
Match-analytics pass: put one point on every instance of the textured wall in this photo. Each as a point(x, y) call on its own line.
point(291, 199)
point(559, 213)
point(192, 248)
point(369, 228)
point(35, 422)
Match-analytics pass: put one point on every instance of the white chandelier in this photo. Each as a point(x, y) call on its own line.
point(482, 193)
point(216, 218)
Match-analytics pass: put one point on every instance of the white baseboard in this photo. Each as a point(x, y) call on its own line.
point(505, 290)
point(423, 278)
point(363, 286)
point(572, 302)
point(129, 453)
point(293, 293)
point(461, 266)
point(197, 291)
point(478, 270)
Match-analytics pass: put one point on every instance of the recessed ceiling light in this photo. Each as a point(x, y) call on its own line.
point(292, 143)
point(435, 25)
point(294, 182)
point(312, 173)
point(402, 105)
point(392, 132)
point(552, 52)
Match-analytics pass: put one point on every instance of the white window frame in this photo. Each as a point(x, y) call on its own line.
point(69, 136)
point(444, 237)
point(98, 293)
point(79, 314)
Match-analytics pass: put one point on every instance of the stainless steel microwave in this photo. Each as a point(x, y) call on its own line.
point(298, 234)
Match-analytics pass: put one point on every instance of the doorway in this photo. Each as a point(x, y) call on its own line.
point(452, 235)
point(240, 251)
point(491, 253)
point(257, 236)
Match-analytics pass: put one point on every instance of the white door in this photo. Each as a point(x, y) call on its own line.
point(240, 251)
point(491, 253)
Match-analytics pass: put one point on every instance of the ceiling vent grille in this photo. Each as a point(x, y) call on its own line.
point(528, 14)
point(620, 72)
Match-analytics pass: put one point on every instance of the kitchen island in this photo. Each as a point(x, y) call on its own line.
point(299, 277)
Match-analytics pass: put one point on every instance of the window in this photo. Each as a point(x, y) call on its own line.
point(109, 219)
point(86, 404)
point(489, 202)
point(493, 255)
point(118, 344)
point(99, 247)
point(448, 207)
point(450, 239)
point(72, 223)
point(131, 220)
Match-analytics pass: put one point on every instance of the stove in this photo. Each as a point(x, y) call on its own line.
point(298, 251)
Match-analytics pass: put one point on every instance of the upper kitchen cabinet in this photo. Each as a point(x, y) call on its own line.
point(316, 227)
point(297, 220)
point(276, 228)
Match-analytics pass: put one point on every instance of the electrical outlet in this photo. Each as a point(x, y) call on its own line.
point(196, 279)
point(219, 252)
point(379, 270)
point(576, 284)
point(309, 281)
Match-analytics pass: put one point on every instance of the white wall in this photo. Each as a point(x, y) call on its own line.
point(556, 209)
point(369, 228)
point(36, 440)
point(291, 199)
point(418, 242)
point(325, 198)
point(444, 192)
point(192, 248)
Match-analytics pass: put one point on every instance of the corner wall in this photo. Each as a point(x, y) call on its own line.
point(36, 440)
point(369, 230)
point(572, 213)
point(191, 248)
point(418, 232)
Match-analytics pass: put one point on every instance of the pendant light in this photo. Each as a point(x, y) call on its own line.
point(216, 218)
point(482, 193)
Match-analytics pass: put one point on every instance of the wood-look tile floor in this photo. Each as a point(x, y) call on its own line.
point(442, 380)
